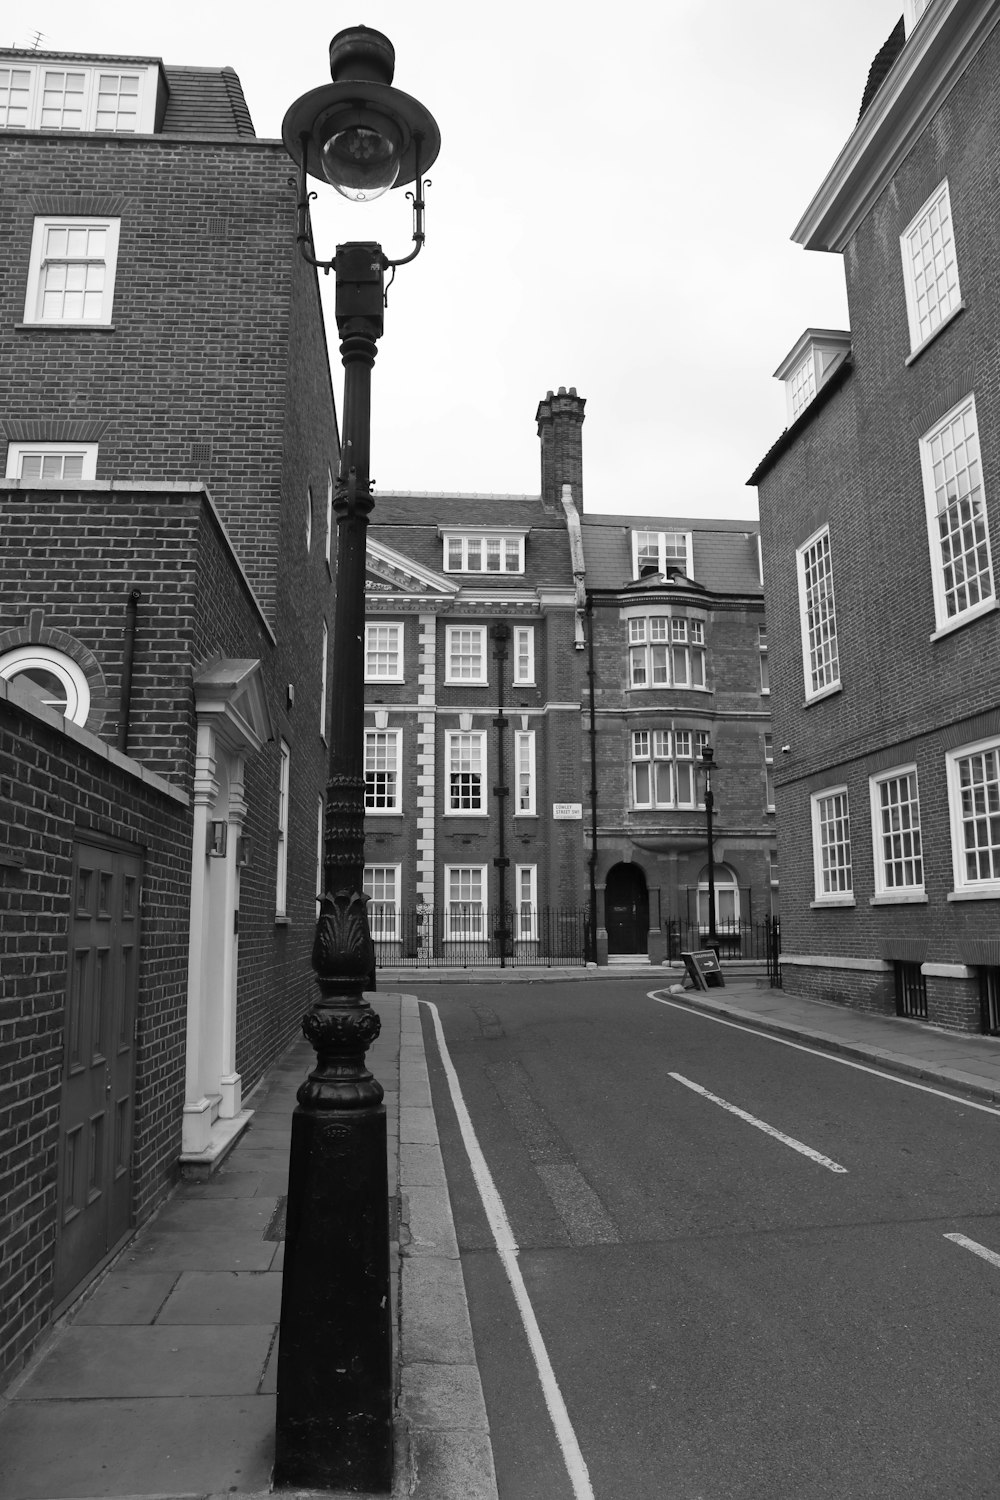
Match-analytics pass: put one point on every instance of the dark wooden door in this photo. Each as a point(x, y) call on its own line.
point(95, 1146)
point(626, 909)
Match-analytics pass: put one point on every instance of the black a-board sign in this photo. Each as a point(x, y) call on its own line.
point(704, 968)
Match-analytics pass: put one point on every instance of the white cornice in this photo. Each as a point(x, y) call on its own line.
point(934, 58)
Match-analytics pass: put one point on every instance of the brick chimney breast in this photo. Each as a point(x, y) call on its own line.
point(560, 420)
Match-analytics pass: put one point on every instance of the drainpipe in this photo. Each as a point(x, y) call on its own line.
point(501, 635)
point(125, 705)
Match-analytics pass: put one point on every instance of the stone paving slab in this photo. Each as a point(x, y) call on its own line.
point(194, 1250)
point(129, 1362)
point(125, 1299)
point(223, 1298)
point(175, 1446)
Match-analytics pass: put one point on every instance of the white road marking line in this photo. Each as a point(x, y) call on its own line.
point(817, 1051)
point(507, 1249)
point(980, 1250)
point(786, 1140)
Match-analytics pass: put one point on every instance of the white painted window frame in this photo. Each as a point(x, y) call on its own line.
point(909, 249)
point(810, 656)
point(465, 925)
point(33, 118)
point(461, 541)
point(663, 562)
point(36, 261)
point(18, 452)
point(452, 633)
point(389, 737)
point(384, 905)
point(526, 902)
point(329, 520)
point(883, 886)
point(70, 675)
point(844, 894)
point(323, 665)
point(525, 779)
point(396, 627)
point(946, 622)
point(964, 887)
point(477, 736)
point(524, 655)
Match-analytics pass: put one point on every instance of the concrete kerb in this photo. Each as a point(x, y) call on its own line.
point(443, 1441)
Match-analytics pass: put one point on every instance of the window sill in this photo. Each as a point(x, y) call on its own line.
point(898, 898)
point(383, 812)
point(827, 692)
point(988, 607)
point(833, 901)
point(384, 681)
point(991, 893)
point(916, 353)
point(280, 920)
point(465, 682)
point(64, 327)
point(456, 813)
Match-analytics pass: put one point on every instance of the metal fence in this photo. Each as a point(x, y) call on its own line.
point(480, 938)
point(736, 938)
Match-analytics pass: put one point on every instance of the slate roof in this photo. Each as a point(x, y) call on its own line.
point(884, 59)
point(205, 101)
point(409, 524)
point(725, 559)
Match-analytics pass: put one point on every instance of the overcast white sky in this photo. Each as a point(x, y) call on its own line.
point(611, 210)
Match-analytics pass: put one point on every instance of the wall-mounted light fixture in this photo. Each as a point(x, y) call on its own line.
point(217, 839)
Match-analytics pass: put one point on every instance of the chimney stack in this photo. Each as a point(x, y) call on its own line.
point(560, 420)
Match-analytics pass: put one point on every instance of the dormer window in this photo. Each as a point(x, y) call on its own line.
point(655, 551)
point(75, 95)
point(808, 366)
point(497, 551)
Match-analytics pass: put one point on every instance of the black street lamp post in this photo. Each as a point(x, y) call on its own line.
point(334, 1403)
point(708, 763)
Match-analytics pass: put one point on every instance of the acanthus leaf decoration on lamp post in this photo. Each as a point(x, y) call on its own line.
point(709, 765)
point(335, 1383)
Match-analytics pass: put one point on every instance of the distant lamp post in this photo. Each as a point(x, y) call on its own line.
point(334, 1404)
point(708, 765)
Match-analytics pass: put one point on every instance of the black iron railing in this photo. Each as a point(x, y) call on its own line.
point(736, 938)
point(480, 937)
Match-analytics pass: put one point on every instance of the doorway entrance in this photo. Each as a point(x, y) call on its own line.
point(95, 1133)
point(626, 909)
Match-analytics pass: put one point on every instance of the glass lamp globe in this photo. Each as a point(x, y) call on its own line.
point(361, 163)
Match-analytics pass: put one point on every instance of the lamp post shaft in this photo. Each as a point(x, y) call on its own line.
point(713, 940)
point(334, 1404)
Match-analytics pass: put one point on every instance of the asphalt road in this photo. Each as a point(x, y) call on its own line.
point(724, 1315)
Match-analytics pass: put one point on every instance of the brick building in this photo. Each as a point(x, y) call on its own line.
point(490, 778)
point(879, 519)
point(170, 438)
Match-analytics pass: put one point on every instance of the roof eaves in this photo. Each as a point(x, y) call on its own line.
point(808, 413)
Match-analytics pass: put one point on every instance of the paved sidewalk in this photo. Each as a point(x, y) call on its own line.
point(160, 1381)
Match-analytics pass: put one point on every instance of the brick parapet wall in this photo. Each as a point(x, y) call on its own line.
point(55, 787)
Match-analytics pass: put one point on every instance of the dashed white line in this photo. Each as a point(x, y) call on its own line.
point(786, 1140)
point(977, 1249)
point(507, 1249)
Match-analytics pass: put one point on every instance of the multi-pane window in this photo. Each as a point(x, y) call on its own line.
point(329, 519)
point(465, 909)
point(52, 462)
point(281, 871)
point(38, 97)
point(465, 758)
point(769, 770)
point(896, 832)
point(818, 615)
point(524, 757)
point(974, 796)
point(53, 679)
point(489, 552)
point(324, 655)
point(71, 271)
point(382, 782)
point(465, 654)
point(383, 652)
point(802, 384)
point(961, 567)
point(666, 651)
point(524, 653)
point(655, 551)
point(832, 844)
point(526, 896)
point(930, 269)
point(664, 767)
point(381, 884)
point(765, 670)
point(319, 848)
point(309, 517)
